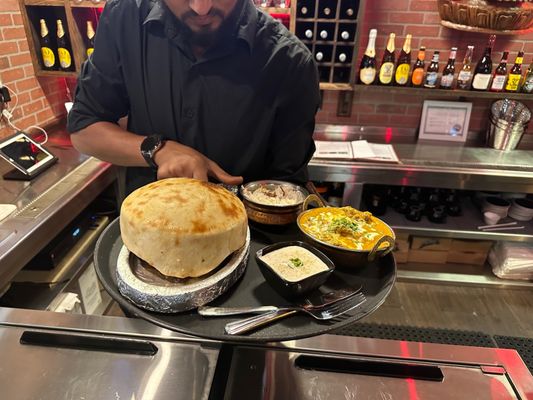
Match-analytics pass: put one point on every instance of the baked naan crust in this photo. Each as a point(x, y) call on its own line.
point(183, 227)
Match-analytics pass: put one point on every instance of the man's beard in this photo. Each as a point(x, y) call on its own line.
point(207, 37)
point(203, 39)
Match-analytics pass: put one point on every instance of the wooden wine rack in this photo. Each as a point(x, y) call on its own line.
point(334, 74)
point(74, 14)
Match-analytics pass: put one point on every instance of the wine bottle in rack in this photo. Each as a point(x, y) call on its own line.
point(464, 79)
point(483, 71)
point(327, 9)
point(432, 74)
point(47, 54)
point(527, 87)
point(90, 38)
point(319, 56)
point(386, 71)
point(324, 34)
point(367, 68)
point(348, 9)
point(515, 75)
point(306, 9)
point(309, 34)
point(500, 75)
point(401, 77)
point(417, 78)
point(448, 73)
point(63, 48)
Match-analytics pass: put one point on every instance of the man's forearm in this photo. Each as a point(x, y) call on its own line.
point(109, 142)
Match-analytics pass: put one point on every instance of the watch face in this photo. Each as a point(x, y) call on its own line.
point(150, 144)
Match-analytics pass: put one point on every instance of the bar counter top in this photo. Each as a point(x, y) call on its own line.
point(46, 204)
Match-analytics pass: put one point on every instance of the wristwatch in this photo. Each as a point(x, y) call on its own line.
point(149, 147)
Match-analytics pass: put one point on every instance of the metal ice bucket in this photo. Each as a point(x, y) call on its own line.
point(508, 123)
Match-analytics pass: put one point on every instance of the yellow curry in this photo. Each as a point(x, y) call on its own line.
point(344, 227)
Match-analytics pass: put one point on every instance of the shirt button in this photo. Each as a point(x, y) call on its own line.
point(189, 112)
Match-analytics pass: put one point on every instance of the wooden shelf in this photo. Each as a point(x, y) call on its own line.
point(336, 86)
point(56, 3)
point(423, 92)
point(276, 10)
point(88, 4)
point(331, 20)
point(57, 74)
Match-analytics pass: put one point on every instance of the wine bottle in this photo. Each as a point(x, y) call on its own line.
point(47, 54)
point(432, 75)
point(386, 71)
point(515, 75)
point(345, 35)
point(500, 75)
point(327, 12)
point(417, 79)
point(343, 57)
point(63, 49)
point(324, 34)
point(367, 68)
point(483, 71)
point(464, 79)
point(448, 73)
point(319, 56)
point(90, 38)
point(527, 87)
point(309, 34)
point(404, 63)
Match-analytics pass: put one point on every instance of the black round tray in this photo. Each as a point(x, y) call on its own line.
point(376, 279)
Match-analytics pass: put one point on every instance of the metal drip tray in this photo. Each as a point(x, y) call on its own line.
point(300, 376)
point(473, 165)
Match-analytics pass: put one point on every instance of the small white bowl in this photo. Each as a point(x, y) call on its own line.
point(491, 218)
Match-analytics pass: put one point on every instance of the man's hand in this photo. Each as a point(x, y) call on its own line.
point(176, 160)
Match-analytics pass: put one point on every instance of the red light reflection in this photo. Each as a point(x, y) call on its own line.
point(388, 135)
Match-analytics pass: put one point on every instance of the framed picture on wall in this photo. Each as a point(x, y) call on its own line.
point(445, 120)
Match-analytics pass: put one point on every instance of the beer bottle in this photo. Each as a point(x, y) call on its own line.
point(464, 79)
point(417, 79)
point(483, 72)
point(90, 38)
point(386, 71)
point(367, 68)
point(527, 87)
point(500, 75)
point(63, 48)
point(47, 54)
point(515, 76)
point(448, 74)
point(404, 63)
point(432, 75)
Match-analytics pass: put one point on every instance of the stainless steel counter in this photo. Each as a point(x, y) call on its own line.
point(48, 203)
point(440, 165)
point(185, 367)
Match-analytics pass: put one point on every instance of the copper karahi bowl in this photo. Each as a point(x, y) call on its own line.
point(273, 211)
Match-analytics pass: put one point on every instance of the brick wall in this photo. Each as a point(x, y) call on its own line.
point(40, 100)
point(421, 19)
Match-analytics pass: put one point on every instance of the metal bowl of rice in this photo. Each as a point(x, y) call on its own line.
point(273, 202)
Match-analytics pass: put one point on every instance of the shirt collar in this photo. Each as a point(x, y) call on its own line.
point(246, 21)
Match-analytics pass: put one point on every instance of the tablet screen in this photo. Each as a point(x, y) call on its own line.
point(24, 153)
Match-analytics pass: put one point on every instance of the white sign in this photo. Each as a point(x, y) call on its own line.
point(445, 120)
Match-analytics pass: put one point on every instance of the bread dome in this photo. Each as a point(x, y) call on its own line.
point(183, 227)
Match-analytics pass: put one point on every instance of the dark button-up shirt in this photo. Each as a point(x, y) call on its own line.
point(248, 103)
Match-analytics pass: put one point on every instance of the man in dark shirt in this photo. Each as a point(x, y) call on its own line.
point(231, 93)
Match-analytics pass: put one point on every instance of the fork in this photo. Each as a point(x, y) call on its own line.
point(322, 312)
